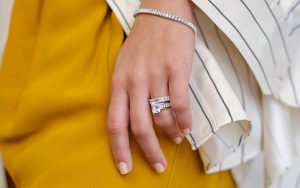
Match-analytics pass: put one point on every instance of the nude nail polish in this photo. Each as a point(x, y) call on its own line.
point(177, 140)
point(159, 167)
point(186, 131)
point(123, 168)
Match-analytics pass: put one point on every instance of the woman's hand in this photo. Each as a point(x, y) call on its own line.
point(155, 60)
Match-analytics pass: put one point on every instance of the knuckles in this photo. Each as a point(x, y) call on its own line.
point(135, 78)
point(151, 156)
point(139, 130)
point(162, 121)
point(117, 80)
point(114, 128)
point(138, 72)
point(155, 71)
point(180, 107)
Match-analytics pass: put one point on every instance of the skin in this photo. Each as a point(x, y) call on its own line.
point(155, 60)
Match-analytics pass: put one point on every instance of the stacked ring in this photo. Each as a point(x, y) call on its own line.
point(159, 103)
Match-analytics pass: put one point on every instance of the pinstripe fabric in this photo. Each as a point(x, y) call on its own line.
point(270, 25)
point(3, 183)
point(5, 12)
point(236, 57)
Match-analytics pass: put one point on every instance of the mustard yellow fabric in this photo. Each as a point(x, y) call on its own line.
point(54, 94)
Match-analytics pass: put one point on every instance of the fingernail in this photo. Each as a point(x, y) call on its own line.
point(123, 168)
point(159, 167)
point(177, 140)
point(186, 131)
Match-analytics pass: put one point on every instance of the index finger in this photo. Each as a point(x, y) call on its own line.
point(118, 119)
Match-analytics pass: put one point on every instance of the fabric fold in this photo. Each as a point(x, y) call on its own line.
point(270, 52)
point(220, 124)
point(279, 134)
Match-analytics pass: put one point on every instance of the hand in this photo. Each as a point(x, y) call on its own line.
point(155, 60)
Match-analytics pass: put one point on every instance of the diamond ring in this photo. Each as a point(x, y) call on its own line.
point(159, 103)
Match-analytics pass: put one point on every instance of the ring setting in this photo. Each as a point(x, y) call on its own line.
point(160, 103)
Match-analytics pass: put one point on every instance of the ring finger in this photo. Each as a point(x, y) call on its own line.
point(141, 127)
point(165, 118)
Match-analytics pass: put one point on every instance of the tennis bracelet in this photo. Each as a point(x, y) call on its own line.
point(167, 16)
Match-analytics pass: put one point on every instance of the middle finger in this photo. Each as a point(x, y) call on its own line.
point(142, 128)
point(164, 119)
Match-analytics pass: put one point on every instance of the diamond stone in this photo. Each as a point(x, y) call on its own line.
point(156, 108)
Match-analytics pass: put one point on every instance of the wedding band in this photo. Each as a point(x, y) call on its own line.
point(160, 99)
point(159, 103)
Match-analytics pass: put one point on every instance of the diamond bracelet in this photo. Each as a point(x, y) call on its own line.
point(167, 16)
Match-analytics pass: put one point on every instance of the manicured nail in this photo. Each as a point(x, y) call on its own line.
point(159, 167)
point(123, 168)
point(186, 131)
point(177, 140)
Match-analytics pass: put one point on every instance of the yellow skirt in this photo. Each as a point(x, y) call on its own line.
point(54, 94)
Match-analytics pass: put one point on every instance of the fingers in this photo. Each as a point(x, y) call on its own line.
point(174, 121)
point(118, 118)
point(165, 119)
point(178, 88)
point(141, 126)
